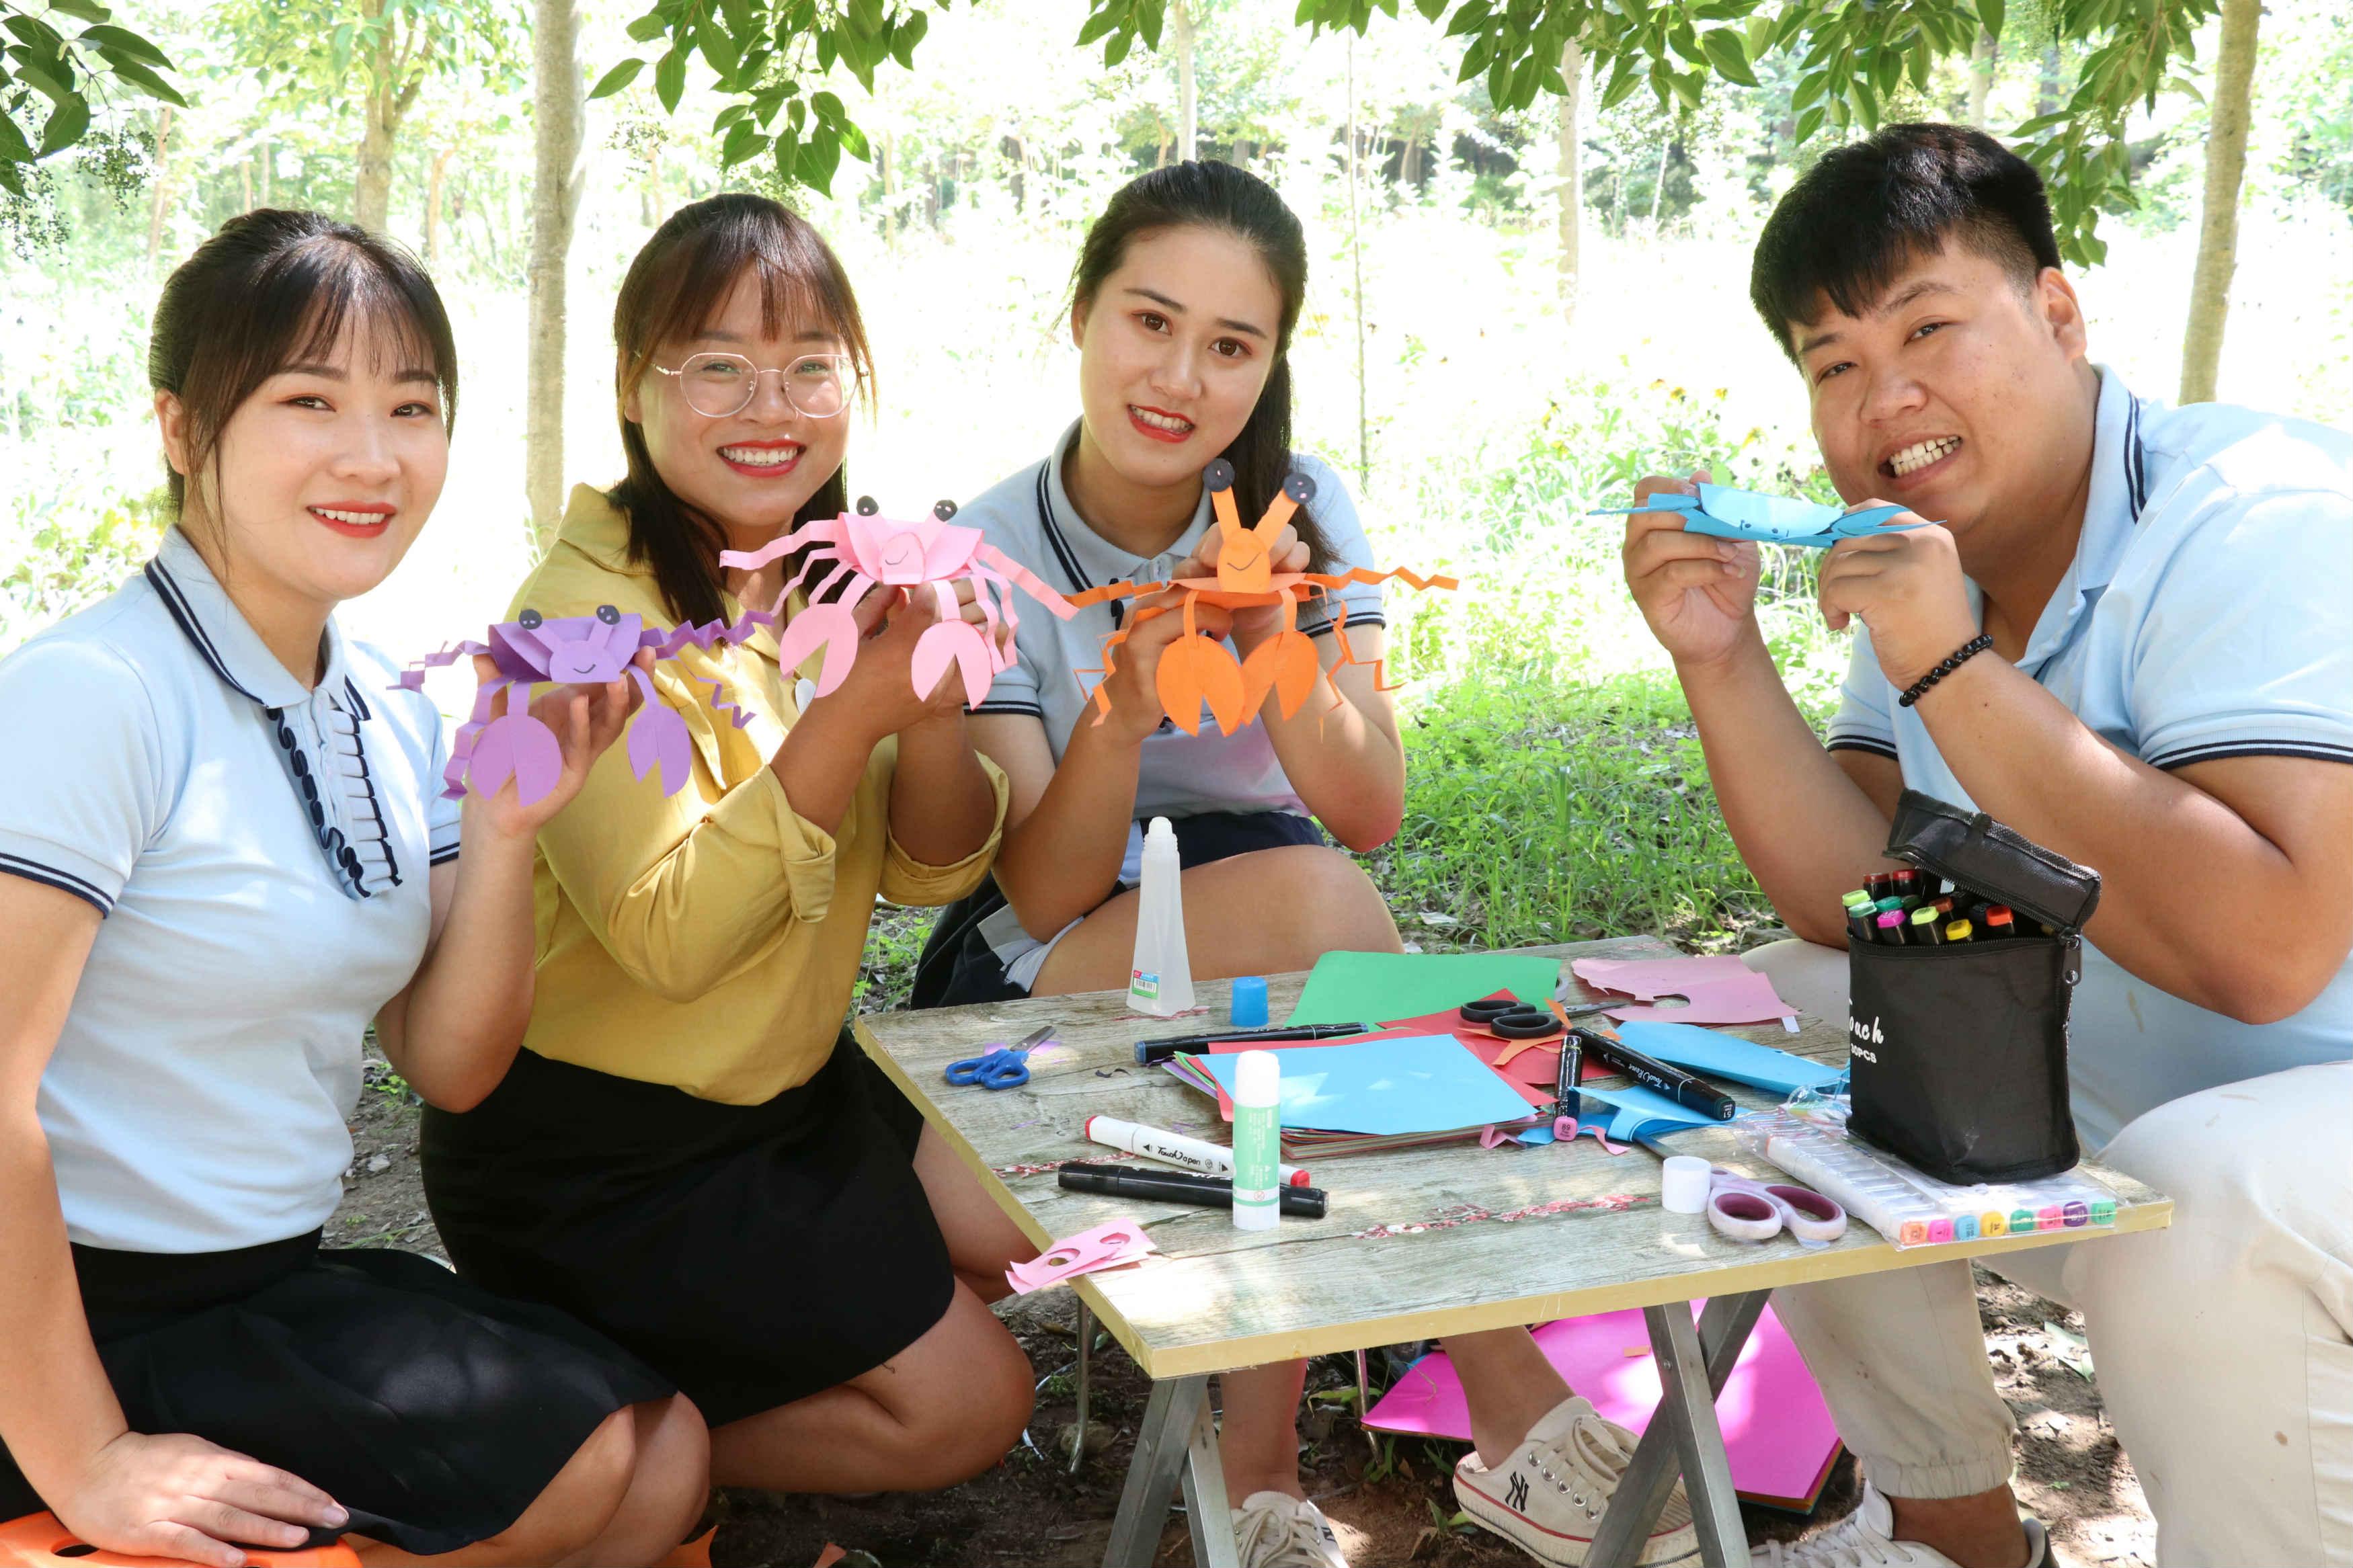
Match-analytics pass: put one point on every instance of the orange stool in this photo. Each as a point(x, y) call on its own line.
point(38, 1540)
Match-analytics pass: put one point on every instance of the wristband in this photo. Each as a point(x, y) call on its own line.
point(1953, 661)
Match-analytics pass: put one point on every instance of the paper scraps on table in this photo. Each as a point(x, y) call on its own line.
point(1344, 986)
point(1777, 1428)
point(862, 550)
point(1112, 1245)
point(1721, 989)
point(1724, 512)
point(1360, 1095)
point(1719, 1054)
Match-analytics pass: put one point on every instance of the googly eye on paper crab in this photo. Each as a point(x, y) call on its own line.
point(858, 550)
point(531, 649)
point(1197, 670)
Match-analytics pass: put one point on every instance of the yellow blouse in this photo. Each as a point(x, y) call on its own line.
point(708, 939)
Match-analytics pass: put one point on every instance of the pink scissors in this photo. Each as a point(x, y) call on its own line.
point(1746, 1210)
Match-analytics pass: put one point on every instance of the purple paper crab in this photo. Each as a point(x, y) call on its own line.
point(532, 648)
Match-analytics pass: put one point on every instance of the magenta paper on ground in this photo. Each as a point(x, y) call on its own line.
point(1776, 1428)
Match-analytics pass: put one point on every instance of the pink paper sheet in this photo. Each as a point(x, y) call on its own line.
point(1722, 989)
point(1776, 1428)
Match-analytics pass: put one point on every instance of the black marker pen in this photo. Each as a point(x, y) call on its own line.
point(1179, 1187)
point(1685, 1090)
point(1150, 1051)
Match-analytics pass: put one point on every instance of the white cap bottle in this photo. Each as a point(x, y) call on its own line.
point(1258, 1140)
point(1160, 979)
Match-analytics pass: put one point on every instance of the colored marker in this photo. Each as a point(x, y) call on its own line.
point(1858, 896)
point(1172, 1148)
point(2000, 922)
point(1960, 931)
point(1180, 1187)
point(1150, 1051)
point(1891, 928)
point(1943, 906)
point(1685, 1089)
point(1892, 901)
point(1879, 885)
point(1924, 931)
point(1908, 882)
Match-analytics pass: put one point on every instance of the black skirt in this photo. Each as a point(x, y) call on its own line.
point(958, 968)
point(754, 1254)
point(432, 1411)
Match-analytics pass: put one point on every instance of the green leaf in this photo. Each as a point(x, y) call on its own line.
point(107, 36)
point(9, 182)
point(670, 80)
point(729, 116)
point(1117, 51)
point(742, 142)
point(854, 142)
point(648, 28)
point(67, 122)
point(14, 148)
point(1807, 123)
point(81, 10)
point(788, 152)
point(1102, 21)
point(826, 108)
point(140, 77)
point(1991, 13)
point(905, 37)
point(1727, 53)
point(1689, 86)
point(820, 156)
point(614, 80)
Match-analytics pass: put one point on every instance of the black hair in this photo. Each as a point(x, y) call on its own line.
point(1869, 209)
point(273, 289)
point(1210, 195)
point(678, 281)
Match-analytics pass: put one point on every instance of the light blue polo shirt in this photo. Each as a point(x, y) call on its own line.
point(197, 1096)
point(2208, 614)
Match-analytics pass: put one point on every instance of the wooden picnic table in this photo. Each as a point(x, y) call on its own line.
point(1417, 1244)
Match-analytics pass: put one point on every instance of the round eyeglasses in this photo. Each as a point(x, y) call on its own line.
point(818, 387)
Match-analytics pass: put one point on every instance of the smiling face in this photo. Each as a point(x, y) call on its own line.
point(1175, 347)
point(322, 477)
point(752, 471)
point(1958, 394)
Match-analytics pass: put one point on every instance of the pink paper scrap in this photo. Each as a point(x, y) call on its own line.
point(1777, 1429)
point(1721, 988)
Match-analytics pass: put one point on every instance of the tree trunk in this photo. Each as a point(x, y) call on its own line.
point(371, 185)
point(1981, 57)
point(2218, 234)
point(1356, 258)
point(2046, 89)
point(433, 205)
point(1572, 185)
point(269, 152)
point(155, 204)
point(555, 198)
point(1187, 116)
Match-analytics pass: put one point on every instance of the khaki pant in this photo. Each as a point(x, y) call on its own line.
point(2224, 1344)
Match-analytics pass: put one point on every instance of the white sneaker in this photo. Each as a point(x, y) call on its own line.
point(1275, 1530)
point(1862, 1539)
point(1548, 1498)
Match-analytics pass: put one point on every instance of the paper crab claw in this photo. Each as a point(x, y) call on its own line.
point(829, 626)
point(958, 642)
point(1286, 664)
point(658, 739)
point(1193, 670)
point(518, 746)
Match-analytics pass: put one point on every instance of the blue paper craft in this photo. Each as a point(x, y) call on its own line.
point(1633, 1111)
point(1724, 513)
point(1720, 1055)
point(1424, 1083)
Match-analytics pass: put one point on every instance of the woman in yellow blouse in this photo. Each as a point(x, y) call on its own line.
point(688, 1154)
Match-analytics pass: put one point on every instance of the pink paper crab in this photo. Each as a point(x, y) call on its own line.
point(864, 549)
point(491, 747)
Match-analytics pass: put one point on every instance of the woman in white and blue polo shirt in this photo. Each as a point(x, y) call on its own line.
point(227, 857)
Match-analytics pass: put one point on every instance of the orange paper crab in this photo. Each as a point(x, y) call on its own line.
point(1196, 668)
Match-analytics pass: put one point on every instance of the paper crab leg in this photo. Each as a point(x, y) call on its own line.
point(413, 678)
point(462, 745)
point(821, 529)
point(1029, 582)
point(1099, 696)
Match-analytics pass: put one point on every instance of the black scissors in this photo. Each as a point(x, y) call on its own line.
point(1513, 1019)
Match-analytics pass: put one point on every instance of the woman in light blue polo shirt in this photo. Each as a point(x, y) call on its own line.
point(227, 856)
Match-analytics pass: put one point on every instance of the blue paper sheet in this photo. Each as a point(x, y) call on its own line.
point(1720, 1055)
point(1726, 512)
point(1423, 1083)
point(1632, 1111)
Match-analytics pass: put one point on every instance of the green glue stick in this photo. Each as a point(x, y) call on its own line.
point(1258, 1140)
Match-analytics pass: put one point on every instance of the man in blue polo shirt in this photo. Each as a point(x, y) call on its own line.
point(2131, 640)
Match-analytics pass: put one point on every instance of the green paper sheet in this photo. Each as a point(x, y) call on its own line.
point(1375, 988)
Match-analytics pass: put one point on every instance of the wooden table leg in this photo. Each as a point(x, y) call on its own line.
point(1164, 1439)
point(1692, 1366)
point(1206, 1512)
point(1086, 1352)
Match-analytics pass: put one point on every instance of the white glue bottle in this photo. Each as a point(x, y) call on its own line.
point(1258, 1140)
point(1160, 981)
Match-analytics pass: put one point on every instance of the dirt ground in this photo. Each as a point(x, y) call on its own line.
point(1392, 1501)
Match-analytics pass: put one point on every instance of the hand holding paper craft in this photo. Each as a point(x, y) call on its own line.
point(1726, 513)
point(864, 549)
point(489, 747)
point(1197, 670)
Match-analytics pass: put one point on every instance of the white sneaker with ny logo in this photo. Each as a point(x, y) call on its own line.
point(1549, 1496)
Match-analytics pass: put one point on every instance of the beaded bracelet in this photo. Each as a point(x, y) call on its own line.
point(1953, 661)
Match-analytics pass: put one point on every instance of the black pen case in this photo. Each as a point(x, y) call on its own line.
point(1959, 1053)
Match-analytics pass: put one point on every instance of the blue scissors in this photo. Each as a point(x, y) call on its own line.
point(1726, 513)
point(1003, 1066)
